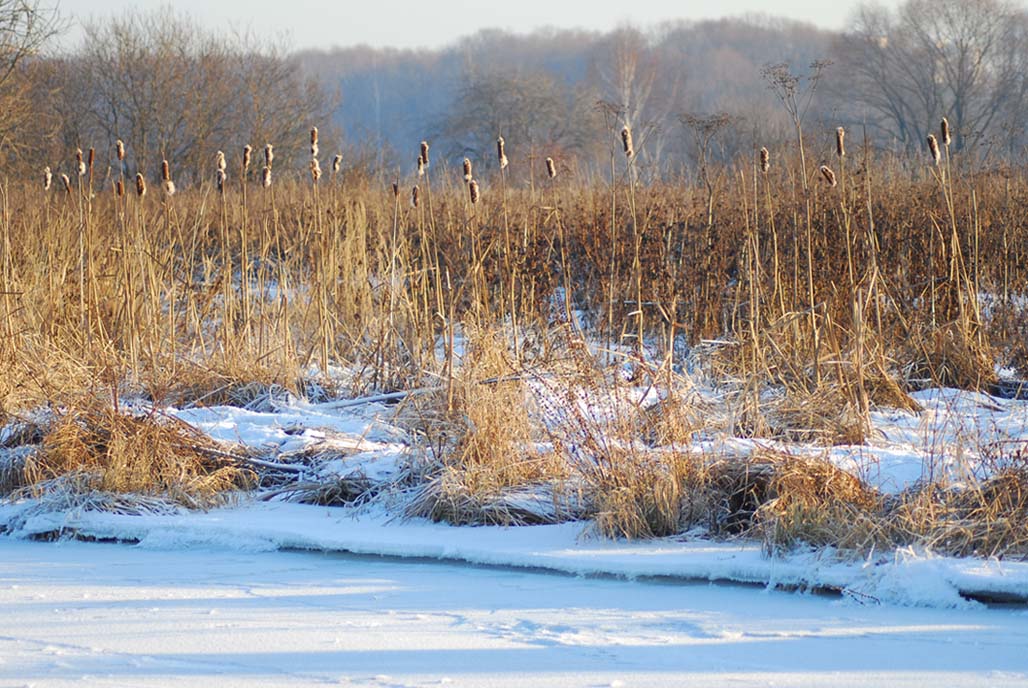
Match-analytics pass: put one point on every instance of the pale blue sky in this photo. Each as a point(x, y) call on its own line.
point(431, 23)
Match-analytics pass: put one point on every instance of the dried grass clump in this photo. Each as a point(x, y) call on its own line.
point(125, 454)
point(478, 438)
point(948, 356)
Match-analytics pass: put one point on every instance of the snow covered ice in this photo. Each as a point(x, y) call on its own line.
point(115, 615)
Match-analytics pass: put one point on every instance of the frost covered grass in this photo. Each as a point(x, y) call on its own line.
point(750, 361)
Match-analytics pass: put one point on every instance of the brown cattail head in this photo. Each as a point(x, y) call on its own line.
point(473, 191)
point(266, 177)
point(315, 170)
point(165, 171)
point(421, 166)
point(944, 130)
point(48, 179)
point(119, 148)
point(626, 141)
point(91, 157)
point(467, 169)
point(247, 156)
point(314, 142)
point(933, 148)
point(829, 176)
point(396, 189)
point(140, 184)
point(337, 163)
point(551, 168)
point(765, 160)
point(501, 155)
point(269, 154)
point(424, 152)
point(221, 179)
point(414, 193)
point(79, 162)
point(119, 187)
point(219, 161)
point(840, 145)
point(66, 182)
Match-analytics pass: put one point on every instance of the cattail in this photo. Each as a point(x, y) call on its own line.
point(48, 179)
point(81, 164)
point(91, 157)
point(219, 161)
point(269, 155)
point(119, 188)
point(424, 152)
point(314, 142)
point(501, 156)
point(933, 148)
point(140, 185)
point(396, 189)
point(266, 177)
point(221, 178)
point(840, 146)
point(414, 196)
point(473, 191)
point(765, 160)
point(467, 169)
point(247, 155)
point(551, 168)
point(315, 170)
point(66, 182)
point(119, 148)
point(166, 184)
point(421, 166)
point(944, 130)
point(337, 163)
point(829, 176)
point(626, 141)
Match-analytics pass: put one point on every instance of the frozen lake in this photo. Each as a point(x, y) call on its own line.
point(114, 615)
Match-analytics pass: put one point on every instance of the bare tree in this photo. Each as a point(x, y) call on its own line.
point(962, 59)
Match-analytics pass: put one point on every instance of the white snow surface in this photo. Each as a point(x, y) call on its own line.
point(111, 615)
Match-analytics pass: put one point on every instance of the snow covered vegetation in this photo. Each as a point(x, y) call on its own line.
point(802, 365)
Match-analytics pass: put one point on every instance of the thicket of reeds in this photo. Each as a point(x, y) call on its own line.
point(531, 304)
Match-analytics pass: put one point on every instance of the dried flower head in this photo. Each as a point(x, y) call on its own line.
point(421, 166)
point(944, 130)
point(80, 164)
point(473, 191)
point(269, 155)
point(933, 148)
point(840, 145)
point(501, 155)
point(66, 182)
point(626, 141)
point(765, 160)
point(396, 189)
point(315, 170)
point(247, 156)
point(337, 163)
point(266, 177)
point(414, 193)
point(119, 187)
point(221, 178)
point(467, 169)
point(165, 171)
point(140, 185)
point(48, 178)
point(168, 187)
point(314, 142)
point(219, 161)
point(91, 157)
point(424, 152)
point(119, 148)
point(551, 168)
point(829, 176)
